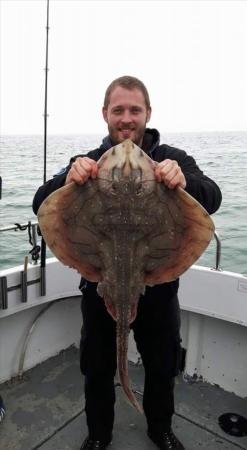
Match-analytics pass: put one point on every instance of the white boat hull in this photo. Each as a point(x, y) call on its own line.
point(214, 323)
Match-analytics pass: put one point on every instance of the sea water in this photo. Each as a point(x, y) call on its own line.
point(221, 156)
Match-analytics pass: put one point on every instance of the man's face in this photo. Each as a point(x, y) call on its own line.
point(126, 115)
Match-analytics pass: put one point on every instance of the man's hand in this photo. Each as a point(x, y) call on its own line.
point(169, 172)
point(81, 170)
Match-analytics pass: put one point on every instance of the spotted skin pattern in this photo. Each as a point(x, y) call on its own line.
point(125, 230)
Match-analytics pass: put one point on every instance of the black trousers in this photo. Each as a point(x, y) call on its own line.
point(156, 332)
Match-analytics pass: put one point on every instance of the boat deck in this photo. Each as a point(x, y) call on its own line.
point(45, 411)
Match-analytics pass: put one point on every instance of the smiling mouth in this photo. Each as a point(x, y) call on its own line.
point(126, 132)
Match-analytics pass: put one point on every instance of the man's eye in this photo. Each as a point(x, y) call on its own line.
point(135, 110)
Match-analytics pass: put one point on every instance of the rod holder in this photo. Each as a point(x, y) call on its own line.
point(42, 281)
point(3, 293)
point(23, 286)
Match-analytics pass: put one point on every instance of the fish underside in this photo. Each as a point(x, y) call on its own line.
point(124, 230)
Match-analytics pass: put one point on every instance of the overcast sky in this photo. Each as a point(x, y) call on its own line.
point(192, 56)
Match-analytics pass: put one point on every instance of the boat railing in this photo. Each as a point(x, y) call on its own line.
point(218, 251)
point(32, 229)
point(19, 226)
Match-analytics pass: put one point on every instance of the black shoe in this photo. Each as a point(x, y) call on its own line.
point(90, 444)
point(166, 440)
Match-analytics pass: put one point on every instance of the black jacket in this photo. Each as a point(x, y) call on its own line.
point(202, 188)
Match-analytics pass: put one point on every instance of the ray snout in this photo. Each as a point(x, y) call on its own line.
point(131, 156)
point(128, 161)
point(127, 167)
point(127, 156)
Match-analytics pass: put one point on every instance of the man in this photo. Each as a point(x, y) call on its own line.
point(156, 328)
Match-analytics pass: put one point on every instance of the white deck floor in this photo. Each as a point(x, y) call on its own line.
point(45, 411)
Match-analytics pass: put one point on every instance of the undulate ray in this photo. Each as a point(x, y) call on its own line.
point(125, 230)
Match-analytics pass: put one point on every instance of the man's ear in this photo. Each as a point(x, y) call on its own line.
point(149, 112)
point(104, 112)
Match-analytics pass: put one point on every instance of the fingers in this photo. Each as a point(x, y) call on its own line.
point(81, 170)
point(170, 173)
point(167, 171)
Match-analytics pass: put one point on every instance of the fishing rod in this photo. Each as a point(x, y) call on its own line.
point(43, 244)
point(46, 87)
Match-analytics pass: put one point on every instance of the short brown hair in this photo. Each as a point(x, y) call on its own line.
point(127, 82)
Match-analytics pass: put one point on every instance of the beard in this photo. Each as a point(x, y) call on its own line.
point(120, 134)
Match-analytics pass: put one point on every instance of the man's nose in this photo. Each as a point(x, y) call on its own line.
point(126, 116)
